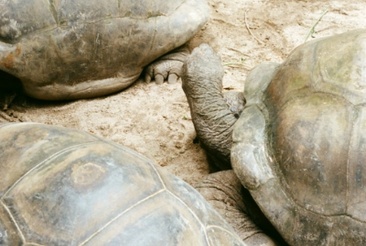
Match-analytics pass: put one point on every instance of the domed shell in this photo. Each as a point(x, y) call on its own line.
point(65, 187)
point(73, 49)
point(305, 143)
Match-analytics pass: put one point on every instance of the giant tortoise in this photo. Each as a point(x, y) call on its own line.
point(61, 186)
point(299, 145)
point(88, 48)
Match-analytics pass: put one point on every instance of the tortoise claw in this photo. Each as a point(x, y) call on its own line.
point(173, 78)
point(167, 68)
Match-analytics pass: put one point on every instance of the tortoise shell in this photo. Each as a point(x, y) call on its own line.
point(65, 187)
point(79, 49)
point(299, 146)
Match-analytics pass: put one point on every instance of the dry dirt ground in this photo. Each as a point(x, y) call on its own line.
point(155, 119)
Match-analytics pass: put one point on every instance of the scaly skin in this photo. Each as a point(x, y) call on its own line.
point(211, 116)
point(224, 191)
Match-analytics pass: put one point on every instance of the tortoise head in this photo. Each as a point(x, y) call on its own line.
point(213, 115)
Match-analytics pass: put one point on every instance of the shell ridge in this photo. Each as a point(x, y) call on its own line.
point(355, 115)
point(153, 37)
point(225, 230)
point(15, 124)
point(4, 124)
point(66, 25)
point(333, 91)
point(131, 152)
point(192, 213)
point(333, 96)
point(53, 10)
point(121, 214)
point(55, 155)
point(14, 221)
point(355, 121)
point(152, 165)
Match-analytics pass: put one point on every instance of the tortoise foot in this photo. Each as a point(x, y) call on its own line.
point(168, 67)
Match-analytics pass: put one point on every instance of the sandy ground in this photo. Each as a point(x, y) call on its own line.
point(155, 119)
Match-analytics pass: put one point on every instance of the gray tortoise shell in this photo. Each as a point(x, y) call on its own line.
point(299, 145)
point(86, 48)
point(65, 187)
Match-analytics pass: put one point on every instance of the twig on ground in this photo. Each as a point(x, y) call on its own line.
point(240, 63)
point(5, 117)
point(250, 31)
point(312, 30)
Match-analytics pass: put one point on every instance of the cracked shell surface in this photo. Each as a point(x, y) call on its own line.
point(65, 187)
point(82, 49)
point(299, 146)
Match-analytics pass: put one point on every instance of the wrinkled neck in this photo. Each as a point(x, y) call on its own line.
point(212, 119)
